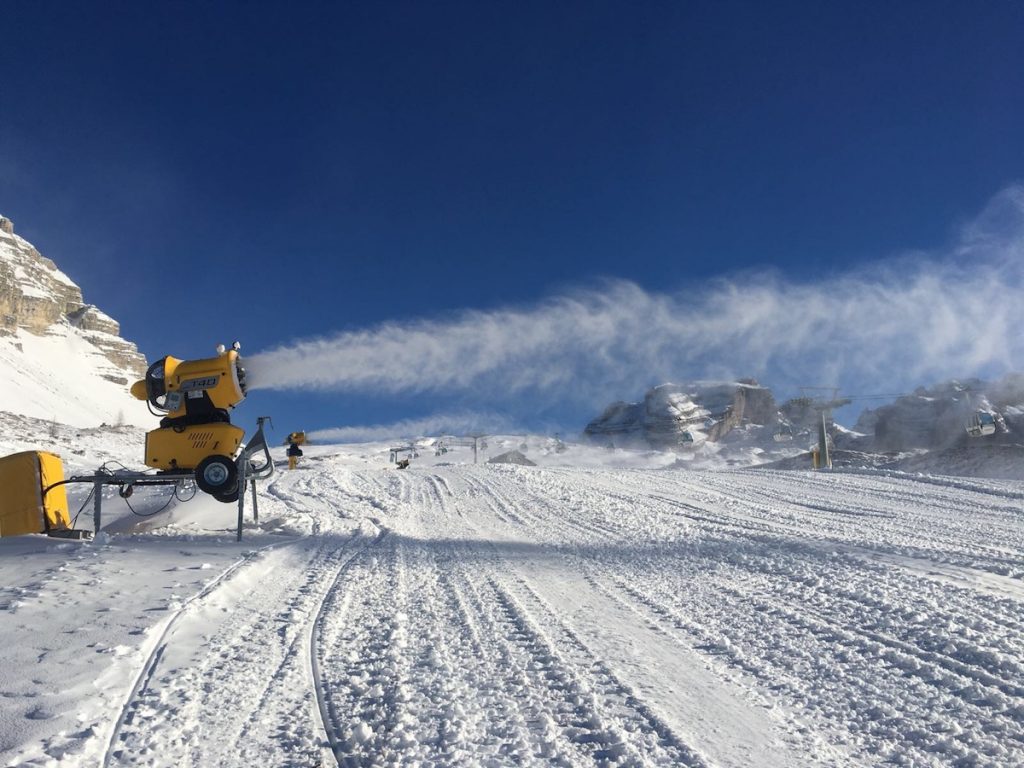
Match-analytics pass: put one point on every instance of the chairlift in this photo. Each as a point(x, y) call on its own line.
point(981, 423)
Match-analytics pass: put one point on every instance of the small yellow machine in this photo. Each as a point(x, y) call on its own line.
point(193, 398)
point(33, 499)
point(293, 441)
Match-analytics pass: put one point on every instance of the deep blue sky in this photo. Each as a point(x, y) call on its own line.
point(268, 171)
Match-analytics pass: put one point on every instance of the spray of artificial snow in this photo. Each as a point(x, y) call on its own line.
point(911, 320)
point(456, 423)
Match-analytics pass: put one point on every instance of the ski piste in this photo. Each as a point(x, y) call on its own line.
point(499, 614)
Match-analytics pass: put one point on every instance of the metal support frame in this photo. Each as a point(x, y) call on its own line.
point(97, 505)
point(249, 472)
point(123, 479)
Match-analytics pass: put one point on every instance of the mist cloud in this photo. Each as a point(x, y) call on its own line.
point(910, 320)
point(459, 423)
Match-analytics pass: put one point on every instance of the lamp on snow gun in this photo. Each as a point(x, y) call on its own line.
point(193, 398)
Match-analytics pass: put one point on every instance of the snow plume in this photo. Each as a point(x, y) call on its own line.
point(910, 320)
point(463, 423)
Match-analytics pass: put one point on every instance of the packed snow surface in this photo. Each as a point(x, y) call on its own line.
point(460, 614)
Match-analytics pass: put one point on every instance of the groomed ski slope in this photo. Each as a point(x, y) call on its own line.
point(504, 615)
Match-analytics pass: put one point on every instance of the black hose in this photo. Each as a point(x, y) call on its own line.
point(81, 508)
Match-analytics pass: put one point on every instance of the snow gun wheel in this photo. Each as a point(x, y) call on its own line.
point(217, 476)
point(228, 496)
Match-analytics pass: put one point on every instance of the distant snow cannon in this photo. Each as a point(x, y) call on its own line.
point(295, 438)
point(193, 398)
point(293, 441)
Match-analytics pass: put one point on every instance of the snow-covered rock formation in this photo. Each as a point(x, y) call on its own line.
point(60, 358)
point(673, 416)
point(935, 418)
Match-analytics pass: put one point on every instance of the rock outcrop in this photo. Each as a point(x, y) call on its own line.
point(37, 297)
point(935, 418)
point(674, 416)
point(512, 457)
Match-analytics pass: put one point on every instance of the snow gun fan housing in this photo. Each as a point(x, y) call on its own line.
point(193, 398)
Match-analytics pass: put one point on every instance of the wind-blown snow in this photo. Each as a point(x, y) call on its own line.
point(461, 423)
point(892, 325)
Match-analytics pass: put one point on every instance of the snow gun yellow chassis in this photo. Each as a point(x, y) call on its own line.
point(195, 442)
point(193, 397)
point(196, 436)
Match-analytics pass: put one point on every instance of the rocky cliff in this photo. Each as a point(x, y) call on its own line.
point(36, 296)
point(934, 418)
point(674, 416)
point(60, 358)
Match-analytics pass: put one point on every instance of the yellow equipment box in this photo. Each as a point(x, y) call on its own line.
point(23, 478)
point(184, 447)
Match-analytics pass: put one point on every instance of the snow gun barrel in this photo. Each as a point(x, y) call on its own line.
point(174, 386)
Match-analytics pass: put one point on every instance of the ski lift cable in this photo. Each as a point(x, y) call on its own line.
point(879, 396)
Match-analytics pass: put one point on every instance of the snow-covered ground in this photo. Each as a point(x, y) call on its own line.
point(574, 613)
point(62, 377)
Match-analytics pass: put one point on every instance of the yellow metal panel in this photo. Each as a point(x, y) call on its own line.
point(55, 504)
point(20, 503)
point(138, 390)
point(170, 449)
point(23, 476)
point(218, 376)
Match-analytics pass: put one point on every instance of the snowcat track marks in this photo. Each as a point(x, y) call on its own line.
point(754, 502)
point(330, 566)
point(567, 658)
point(279, 631)
point(801, 544)
point(326, 718)
point(159, 644)
point(789, 632)
point(609, 694)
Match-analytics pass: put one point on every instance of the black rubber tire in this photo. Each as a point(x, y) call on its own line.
point(228, 496)
point(217, 475)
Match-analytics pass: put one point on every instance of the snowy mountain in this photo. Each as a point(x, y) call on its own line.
point(673, 416)
point(60, 359)
point(934, 418)
point(738, 423)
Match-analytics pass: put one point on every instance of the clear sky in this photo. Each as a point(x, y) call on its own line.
point(272, 172)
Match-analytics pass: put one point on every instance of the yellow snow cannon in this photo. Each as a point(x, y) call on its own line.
point(293, 441)
point(295, 438)
point(193, 398)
